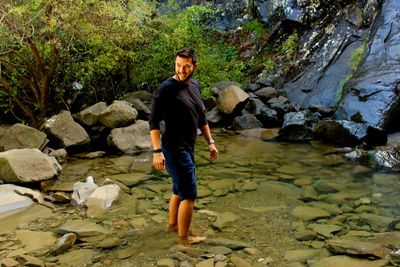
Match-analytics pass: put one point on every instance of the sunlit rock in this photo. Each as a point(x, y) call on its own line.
point(63, 130)
point(131, 139)
point(231, 99)
point(118, 114)
point(64, 243)
point(10, 200)
point(27, 165)
point(103, 196)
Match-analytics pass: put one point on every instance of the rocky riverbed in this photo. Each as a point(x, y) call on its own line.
point(263, 203)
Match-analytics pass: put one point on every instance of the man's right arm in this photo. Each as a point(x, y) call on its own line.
point(158, 156)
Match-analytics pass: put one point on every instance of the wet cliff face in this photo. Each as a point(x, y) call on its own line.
point(349, 52)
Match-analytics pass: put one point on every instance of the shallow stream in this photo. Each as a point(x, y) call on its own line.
point(253, 194)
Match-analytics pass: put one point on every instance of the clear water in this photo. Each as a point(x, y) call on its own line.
point(256, 182)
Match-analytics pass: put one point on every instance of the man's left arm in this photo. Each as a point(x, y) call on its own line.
point(205, 130)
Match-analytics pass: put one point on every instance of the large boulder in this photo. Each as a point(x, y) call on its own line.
point(372, 95)
point(22, 136)
point(232, 99)
point(118, 114)
point(298, 126)
point(246, 121)
point(27, 165)
point(349, 133)
point(90, 116)
point(63, 130)
point(320, 83)
point(131, 139)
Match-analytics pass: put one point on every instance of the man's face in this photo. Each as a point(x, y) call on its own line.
point(184, 68)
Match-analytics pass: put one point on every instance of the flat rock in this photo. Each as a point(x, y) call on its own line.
point(355, 247)
point(35, 240)
point(346, 261)
point(309, 213)
point(82, 228)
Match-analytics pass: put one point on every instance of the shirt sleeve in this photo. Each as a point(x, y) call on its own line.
point(156, 111)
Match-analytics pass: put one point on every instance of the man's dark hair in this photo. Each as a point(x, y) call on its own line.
point(187, 53)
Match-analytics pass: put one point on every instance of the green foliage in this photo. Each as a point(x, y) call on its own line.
point(50, 44)
point(217, 59)
point(290, 45)
point(109, 47)
point(255, 26)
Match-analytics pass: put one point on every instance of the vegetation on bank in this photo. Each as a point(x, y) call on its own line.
point(58, 55)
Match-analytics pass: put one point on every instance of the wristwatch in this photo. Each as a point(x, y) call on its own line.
point(158, 150)
point(211, 142)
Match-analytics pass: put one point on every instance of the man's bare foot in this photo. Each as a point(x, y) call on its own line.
point(172, 228)
point(191, 239)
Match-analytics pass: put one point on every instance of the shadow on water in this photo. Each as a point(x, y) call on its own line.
point(253, 193)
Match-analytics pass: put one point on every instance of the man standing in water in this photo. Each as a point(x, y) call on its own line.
point(178, 103)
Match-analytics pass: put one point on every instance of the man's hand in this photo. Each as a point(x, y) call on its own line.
point(213, 152)
point(159, 161)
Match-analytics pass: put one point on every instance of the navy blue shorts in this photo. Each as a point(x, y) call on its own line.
point(180, 165)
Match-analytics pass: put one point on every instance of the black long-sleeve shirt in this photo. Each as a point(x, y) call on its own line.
point(180, 106)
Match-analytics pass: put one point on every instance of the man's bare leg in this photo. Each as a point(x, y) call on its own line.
point(174, 202)
point(185, 214)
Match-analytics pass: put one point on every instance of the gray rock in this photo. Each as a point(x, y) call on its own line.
point(131, 139)
point(27, 165)
point(118, 114)
point(372, 93)
point(62, 129)
point(103, 197)
point(21, 136)
point(231, 100)
point(247, 121)
point(298, 126)
point(82, 228)
point(90, 115)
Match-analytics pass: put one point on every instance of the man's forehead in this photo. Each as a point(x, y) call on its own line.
point(184, 60)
